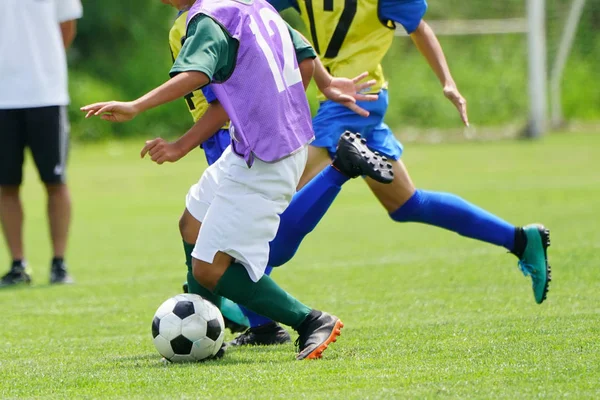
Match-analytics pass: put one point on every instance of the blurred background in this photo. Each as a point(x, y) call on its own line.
point(122, 51)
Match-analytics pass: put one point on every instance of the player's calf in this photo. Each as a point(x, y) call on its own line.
point(353, 158)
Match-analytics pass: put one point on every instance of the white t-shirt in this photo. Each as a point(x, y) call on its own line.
point(33, 64)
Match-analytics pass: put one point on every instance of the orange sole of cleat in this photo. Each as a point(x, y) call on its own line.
point(318, 352)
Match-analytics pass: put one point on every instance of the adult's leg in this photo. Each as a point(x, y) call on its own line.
point(11, 216)
point(13, 140)
point(48, 139)
point(59, 216)
point(11, 210)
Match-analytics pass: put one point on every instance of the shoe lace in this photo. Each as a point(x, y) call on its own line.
point(300, 343)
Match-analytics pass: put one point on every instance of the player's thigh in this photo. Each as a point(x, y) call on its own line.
point(392, 196)
point(12, 137)
point(201, 195)
point(189, 227)
point(318, 159)
point(47, 130)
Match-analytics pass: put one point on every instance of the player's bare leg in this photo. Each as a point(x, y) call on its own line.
point(189, 227)
point(11, 216)
point(392, 196)
point(232, 315)
point(406, 204)
point(318, 159)
point(59, 217)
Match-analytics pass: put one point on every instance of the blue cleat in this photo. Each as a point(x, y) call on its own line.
point(534, 262)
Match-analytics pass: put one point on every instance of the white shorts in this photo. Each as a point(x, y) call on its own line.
point(239, 207)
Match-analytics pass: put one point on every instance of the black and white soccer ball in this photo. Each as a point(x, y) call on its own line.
point(187, 328)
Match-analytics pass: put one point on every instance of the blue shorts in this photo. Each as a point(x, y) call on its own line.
point(333, 119)
point(216, 145)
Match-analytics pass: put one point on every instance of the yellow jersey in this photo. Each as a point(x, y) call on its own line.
point(349, 37)
point(195, 101)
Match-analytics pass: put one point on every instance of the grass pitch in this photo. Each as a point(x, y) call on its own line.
point(428, 314)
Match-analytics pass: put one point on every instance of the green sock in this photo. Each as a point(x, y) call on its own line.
point(264, 297)
point(193, 286)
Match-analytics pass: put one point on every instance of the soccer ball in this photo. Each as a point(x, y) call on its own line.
point(187, 328)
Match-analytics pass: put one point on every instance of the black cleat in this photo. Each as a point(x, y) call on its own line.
point(220, 353)
point(353, 158)
point(233, 326)
point(59, 274)
point(316, 333)
point(185, 288)
point(15, 276)
point(265, 335)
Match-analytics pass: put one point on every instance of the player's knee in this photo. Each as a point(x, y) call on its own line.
point(54, 189)
point(409, 209)
point(10, 190)
point(205, 275)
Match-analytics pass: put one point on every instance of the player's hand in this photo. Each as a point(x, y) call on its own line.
point(348, 91)
point(452, 94)
point(114, 111)
point(161, 151)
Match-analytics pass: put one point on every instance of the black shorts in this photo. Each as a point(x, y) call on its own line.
point(45, 130)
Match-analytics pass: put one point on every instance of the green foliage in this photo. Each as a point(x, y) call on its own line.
point(122, 51)
point(428, 314)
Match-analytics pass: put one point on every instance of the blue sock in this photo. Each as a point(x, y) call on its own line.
point(304, 213)
point(450, 212)
point(255, 319)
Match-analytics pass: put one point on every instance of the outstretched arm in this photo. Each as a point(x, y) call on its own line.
point(201, 56)
point(173, 89)
point(429, 46)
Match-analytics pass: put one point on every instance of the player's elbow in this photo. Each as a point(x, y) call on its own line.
point(307, 70)
point(423, 29)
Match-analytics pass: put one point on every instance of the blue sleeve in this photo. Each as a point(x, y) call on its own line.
point(407, 13)
point(209, 94)
point(281, 5)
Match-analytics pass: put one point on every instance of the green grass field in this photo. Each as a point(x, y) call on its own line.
point(428, 314)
